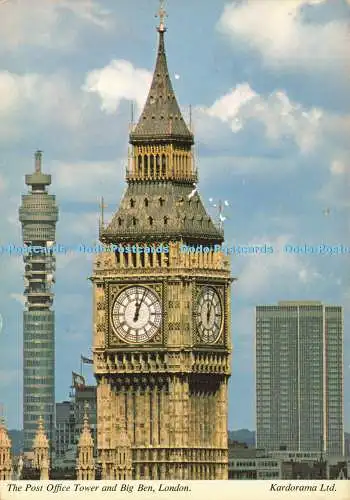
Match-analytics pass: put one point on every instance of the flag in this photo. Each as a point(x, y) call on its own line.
point(86, 361)
point(78, 380)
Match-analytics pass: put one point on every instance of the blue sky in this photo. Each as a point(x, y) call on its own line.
point(268, 82)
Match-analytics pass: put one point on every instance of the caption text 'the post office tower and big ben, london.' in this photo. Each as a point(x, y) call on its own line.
point(162, 337)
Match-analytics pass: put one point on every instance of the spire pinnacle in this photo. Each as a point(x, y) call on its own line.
point(86, 418)
point(161, 119)
point(162, 15)
point(85, 436)
point(38, 160)
point(41, 424)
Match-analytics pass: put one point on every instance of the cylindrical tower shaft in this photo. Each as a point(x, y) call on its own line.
point(38, 215)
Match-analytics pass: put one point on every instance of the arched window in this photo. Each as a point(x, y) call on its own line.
point(132, 203)
point(152, 165)
point(134, 221)
point(146, 202)
point(150, 219)
point(158, 166)
point(145, 164)
point(133, 259)
point(139, 164)
point(119, 221)
point(161, 202)
point(163, 165)
point(165, 220)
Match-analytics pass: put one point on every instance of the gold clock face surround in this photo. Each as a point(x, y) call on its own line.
point(136, 314)
point(209, 316)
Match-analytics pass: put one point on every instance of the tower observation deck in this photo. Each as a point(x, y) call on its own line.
point(38, 215)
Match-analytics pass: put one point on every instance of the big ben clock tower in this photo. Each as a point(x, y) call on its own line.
point(162, 340)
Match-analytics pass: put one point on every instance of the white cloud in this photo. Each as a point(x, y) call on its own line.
point(88, 10)
point(64, 260)
point(82, 227)
point(307, 276)
point(281, 117)
point(335, 192)
point(338, 167)
point(263, 274)
point(43, 23)
point(279, 32)
point(38, 99)
point(117, 81)
point(88, 181)
point(18, 297)
point(228, 106)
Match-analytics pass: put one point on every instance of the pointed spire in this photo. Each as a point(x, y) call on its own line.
point(5, 442)
point(5, 453)
point(85, 436)
point(161, 119)
point(41, 425)
point(40, 440)
point(162, 15)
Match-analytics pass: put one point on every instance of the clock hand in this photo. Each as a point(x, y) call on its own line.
point(208, 312)
point(143, 296)
point(138, 305)
point(210, 307)
point(136, 315)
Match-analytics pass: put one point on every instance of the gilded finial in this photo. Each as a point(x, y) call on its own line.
point(162, 15)
point(38, 159)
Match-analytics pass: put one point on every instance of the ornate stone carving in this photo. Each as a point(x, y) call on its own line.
point(168, 397)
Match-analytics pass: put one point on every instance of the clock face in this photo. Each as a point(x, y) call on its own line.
point(136, 314)
point(209, 316)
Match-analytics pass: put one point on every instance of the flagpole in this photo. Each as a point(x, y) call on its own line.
point(81, 366)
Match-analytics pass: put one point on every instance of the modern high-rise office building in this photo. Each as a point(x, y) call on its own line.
point(299, 377)
point(38, 215)
point(64, 429)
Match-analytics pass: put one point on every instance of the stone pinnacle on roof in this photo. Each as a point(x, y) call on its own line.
point(40, 440)
point(161, 118)
point(85, 436)
point(5, 442)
